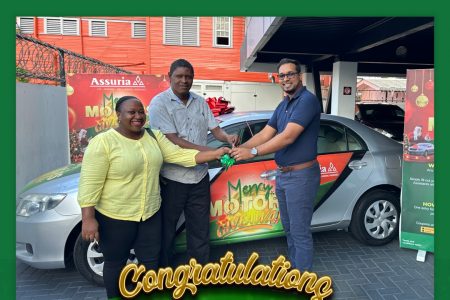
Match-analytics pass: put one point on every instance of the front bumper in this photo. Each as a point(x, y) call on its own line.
point(416, 152)
point(41, 238)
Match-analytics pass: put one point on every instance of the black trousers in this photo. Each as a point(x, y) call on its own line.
point(194, 200)
point(118, 237)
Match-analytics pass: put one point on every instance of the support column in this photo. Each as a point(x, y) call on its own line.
point(318, 86)
point(344, 89)
point(308, 79)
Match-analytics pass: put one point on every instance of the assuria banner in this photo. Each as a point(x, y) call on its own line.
point(92, 99)
point(417, 217)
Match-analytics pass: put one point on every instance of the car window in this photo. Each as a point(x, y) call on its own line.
point(337, 138)
point(214, 143)
point(331, 139)
point(377, 112)
point(398, 112)
point(354, 142)
point(245, 131)
point(250, 130)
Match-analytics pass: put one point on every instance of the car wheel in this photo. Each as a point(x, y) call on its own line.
point(376, 218)
point(88, 260)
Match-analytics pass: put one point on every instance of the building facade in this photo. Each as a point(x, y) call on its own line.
point(381, 89)
point(147, 45)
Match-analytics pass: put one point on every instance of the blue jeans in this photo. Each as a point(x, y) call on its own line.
point(296, 192)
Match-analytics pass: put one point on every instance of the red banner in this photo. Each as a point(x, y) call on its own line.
point(419, 116)
point(92, 98)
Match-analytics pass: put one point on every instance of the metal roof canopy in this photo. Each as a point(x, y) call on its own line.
point(381, 45)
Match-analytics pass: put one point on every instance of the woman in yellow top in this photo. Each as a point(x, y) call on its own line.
point(119, 189)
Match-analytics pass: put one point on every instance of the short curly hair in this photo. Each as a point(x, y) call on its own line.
point(180, 63)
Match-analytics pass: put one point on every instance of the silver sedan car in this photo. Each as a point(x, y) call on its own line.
point(359, 191)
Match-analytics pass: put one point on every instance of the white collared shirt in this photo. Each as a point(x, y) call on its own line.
point(191, 122)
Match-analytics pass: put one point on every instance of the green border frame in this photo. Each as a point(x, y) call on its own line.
point(229, 7)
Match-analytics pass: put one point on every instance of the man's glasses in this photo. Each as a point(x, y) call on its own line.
point(287, 76)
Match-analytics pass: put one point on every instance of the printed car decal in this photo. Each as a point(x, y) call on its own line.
point(331, 167)
point(55, 174)
point(244, 206)
point(324, 193)
point(242, 202)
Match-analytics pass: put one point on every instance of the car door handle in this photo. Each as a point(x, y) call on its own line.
point(357, 164)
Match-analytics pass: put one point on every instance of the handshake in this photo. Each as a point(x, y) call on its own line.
point(235, 153)
point(229, 156)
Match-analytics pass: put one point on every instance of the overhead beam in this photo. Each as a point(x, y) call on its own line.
point(323, 57)
point(396, 63)
point(294, 53)
point(389, 30)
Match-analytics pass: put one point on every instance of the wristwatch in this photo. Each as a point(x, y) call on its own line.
point(254, 151)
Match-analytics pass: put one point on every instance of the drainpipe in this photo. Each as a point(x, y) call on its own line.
point(36, 31)
point(81, 35)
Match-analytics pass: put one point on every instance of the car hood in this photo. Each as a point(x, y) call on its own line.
point(58, 177)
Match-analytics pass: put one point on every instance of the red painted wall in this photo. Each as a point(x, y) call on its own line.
point(150, 56)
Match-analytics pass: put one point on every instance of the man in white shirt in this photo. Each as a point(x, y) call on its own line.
point(185, 119)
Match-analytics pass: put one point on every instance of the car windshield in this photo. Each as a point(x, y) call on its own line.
point(381, 111)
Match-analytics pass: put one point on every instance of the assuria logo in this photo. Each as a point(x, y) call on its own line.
point(117, 82)
point(330, 171)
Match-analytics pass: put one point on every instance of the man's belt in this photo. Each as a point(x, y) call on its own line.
point(297, 166)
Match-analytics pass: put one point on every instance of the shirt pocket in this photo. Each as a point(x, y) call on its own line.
point(179, 117)
point(198, 121)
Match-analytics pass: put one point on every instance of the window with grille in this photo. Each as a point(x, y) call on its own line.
point(182, 31)
point(222, 31)
point(63, 26)
point(97, 28)
point(26, 24)
point(139, 29)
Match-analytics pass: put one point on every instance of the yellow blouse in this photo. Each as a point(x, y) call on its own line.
point(120, 176)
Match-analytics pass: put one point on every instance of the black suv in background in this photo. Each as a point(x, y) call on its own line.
point(383, 117)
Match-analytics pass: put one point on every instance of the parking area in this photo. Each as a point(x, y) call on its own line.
point(357, 271)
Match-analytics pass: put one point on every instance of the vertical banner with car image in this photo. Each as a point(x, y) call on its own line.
point(417, 216)
point(92, 99)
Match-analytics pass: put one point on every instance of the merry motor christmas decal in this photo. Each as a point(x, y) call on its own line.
point(244, 206)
